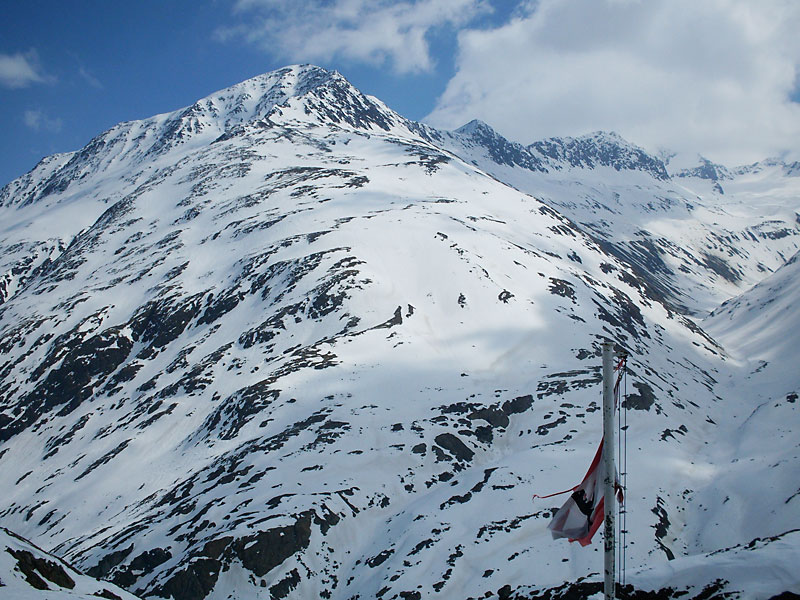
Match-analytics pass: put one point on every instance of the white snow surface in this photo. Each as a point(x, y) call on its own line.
point(295, 345)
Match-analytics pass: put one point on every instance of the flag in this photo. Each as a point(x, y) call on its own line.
point(581, 515)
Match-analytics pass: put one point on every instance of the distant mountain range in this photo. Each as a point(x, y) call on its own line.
point(286, 343)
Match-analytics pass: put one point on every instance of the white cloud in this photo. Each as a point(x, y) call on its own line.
point(372, 31)
point(90, 79)
point(39, 121)
point(21, 70)
point(713, 77)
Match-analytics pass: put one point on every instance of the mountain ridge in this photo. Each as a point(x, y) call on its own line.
point(259, 97)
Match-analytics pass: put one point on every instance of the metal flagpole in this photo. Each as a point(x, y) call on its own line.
point(609, 470)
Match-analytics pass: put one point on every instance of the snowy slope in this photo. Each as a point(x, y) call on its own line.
point(754, 324)
point(758, 328)
point(286, 343)
point(29, 573)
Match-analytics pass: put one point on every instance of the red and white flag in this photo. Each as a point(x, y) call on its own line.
point(580, 516)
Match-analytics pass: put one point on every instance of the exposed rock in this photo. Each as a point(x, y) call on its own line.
point(644, 400)
point(36, 568)
point(454, 445)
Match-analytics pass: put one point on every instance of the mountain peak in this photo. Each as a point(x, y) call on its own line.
point(499, 149)
point(292, 80)
point(600, 148)
point(254, 98)
point(706, 170)
point(476, 126)
point(605, 137)
point(294, 95)
point(297, 95)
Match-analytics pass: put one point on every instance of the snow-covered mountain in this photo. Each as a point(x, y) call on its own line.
point(286, 343)
point(690, 246)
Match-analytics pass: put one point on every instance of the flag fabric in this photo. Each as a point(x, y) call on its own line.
point(581, 515)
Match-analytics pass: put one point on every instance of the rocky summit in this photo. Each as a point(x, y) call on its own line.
point(286, 343)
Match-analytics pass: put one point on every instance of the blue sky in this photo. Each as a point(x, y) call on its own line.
point(718, 77)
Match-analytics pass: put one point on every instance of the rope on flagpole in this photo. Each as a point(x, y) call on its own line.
point(572, 489)
point(625, 483)
point(622, 451)
point(622, 480)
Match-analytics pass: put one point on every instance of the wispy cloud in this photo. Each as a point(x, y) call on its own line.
point(377, 32)
point(713, 77)
point(21, 70)
point(90, 79)
point(39, 121)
